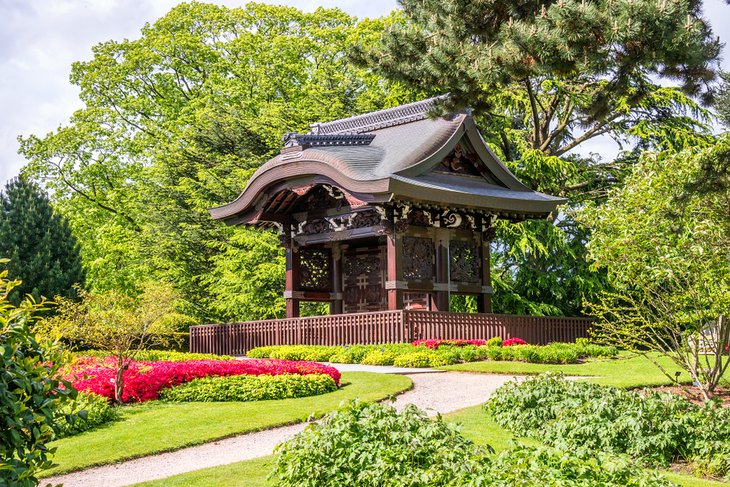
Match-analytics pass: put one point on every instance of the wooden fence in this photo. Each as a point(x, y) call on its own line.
point(382, 327)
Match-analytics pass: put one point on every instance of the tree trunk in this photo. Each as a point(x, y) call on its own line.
point(119, 380)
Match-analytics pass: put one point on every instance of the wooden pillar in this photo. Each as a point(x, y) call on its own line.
point(394, 250)
point(336, 305)
point(484, 304)
point(440, 301)
point(292, 281)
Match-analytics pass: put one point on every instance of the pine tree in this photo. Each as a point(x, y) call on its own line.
point(43, 253)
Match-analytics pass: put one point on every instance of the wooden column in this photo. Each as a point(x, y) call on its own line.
point(440, 301)
point(336, 305)
point(484, 304)
point(292, 280)
point(394, 251)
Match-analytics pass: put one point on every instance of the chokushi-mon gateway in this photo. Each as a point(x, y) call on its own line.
point(388, 211)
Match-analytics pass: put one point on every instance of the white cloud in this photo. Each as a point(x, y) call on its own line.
point(40, 39)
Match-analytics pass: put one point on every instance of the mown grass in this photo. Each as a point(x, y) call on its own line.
point(155, 427)
point(627, 370)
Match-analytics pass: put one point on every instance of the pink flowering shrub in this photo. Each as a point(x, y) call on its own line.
point(144, 380)
point(433, 344)
point(513, 341)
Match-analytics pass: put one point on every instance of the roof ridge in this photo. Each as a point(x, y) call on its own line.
point(410, 112)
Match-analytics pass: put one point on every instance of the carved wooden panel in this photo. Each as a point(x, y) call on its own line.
point(364, 282)
point(416, 301)
point(315, 269)
point(417, 258)
point(465, 261)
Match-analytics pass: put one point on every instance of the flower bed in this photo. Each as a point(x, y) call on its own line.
point(511, 342)
point(435, 353)
point(143, 380)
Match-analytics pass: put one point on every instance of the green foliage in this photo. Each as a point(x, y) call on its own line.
point(175, 122)
point(415, 359)
point(250, 388)
point(31, 392)
point(119, 324)
point(495, 342)
point(162, 355)
point(664, 239)
point(373, 445)
point(585, 418)
point(722, 102)
point(43, 254)
point(544, 79)
point(88, 410)
point(407, 355)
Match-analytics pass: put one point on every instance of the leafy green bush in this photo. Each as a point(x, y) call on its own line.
point(415, 359)
point(379, 357)
point(250, 388)
point(87, 412)
point(495, 342)
point(583, 417)
point(31, 389)
point(369, 445)
point(540, 466)
point(162, 355)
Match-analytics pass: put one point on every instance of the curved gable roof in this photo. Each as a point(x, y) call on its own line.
point(398, 163)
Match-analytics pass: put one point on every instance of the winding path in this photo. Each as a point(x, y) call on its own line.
point(434, 392)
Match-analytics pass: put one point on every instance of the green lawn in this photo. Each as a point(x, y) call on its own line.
point(625, 371)
point(154, 427)
point(473, 424)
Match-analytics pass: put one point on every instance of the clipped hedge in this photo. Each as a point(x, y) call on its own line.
point(89, 410)
point(583, 417)
point(372, 445)
point(439, 353)
point(250, 388)
point(161, 355)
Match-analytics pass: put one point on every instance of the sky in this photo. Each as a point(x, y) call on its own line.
point(40, 39)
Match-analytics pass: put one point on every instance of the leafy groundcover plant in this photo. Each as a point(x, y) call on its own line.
point(89, 410)
point(656, 429)
point(250, 388)
point(144, 380)
point(369, 445)
point(161, 355)
point(435, 353)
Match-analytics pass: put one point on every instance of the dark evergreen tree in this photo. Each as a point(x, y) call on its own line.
point(543, 78)
point(42, 251)
point(722, 103)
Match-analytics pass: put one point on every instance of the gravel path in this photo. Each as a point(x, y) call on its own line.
point(433, 392)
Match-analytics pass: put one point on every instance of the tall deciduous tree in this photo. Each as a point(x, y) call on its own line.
point(43, 253)
point(176, 122)
point(545, 78)
point(665, 240)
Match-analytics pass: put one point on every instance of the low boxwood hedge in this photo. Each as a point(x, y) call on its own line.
point(444, 354)
point(583, 417)
point(250, 388)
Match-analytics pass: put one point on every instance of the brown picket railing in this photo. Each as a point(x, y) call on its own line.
point(382, 327)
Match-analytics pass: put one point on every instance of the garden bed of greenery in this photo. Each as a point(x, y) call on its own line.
point(436, 353)
point(589, 419)
point(373, 445)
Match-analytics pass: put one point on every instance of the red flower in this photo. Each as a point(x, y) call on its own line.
point(513, 341)
point(144, 380)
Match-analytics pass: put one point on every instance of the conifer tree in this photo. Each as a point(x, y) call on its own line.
point(43, 253)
